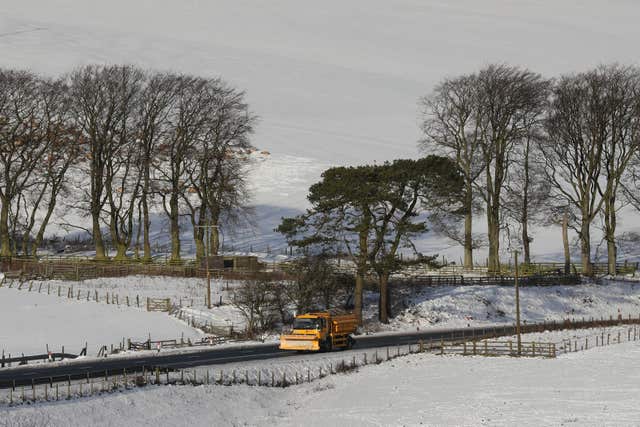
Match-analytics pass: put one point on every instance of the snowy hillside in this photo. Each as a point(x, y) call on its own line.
point(334, 82)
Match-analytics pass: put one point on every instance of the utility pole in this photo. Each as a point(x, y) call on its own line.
point(515, 255)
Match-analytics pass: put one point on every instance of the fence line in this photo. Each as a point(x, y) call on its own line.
point(460, 280)
point(598, 340)
point(81, 269)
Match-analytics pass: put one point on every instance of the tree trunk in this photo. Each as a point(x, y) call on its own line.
point(5, 238)
point(526, 244)
point(97, 238)
point(175, 227)
point(121, 251)
point(198, 238)
point(37, 242)
point(214, 244)
point(585, 247)
point(468, 223)
point(357, 296)
point(146, 224)
point(565, 243)
point(494, 240)
point(384, 303)
point(363, 242)
point(610, 234)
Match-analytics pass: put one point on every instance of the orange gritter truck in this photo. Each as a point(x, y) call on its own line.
point(321, 331)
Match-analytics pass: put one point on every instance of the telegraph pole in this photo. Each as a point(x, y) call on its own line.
point(515, 255)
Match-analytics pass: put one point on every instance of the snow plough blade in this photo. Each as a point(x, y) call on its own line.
point(299, 342)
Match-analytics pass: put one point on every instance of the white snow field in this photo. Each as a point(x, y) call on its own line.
point(29, 321)
point(598, 387)
point(334, 82)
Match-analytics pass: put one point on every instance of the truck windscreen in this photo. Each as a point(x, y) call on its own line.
point(306, 324)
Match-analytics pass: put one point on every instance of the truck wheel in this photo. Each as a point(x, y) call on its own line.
point(326, 345)
point(350, 343)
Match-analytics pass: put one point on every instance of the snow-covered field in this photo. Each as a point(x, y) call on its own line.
point(593, 388)
point(333, 82)
point(29, 321)
point(187, 295)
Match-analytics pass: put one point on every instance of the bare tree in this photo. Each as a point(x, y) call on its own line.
point(574, 151)
point(156, 101)
point(122, 177)
point(525, 191)
point(177, 153)
point(217, 175)
point(23, 143)
point(50, 179)
point(621, 145)
point(254, 300)
point(478, 120)
point(511, 99)
point(102, 104)
point(452, 126)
